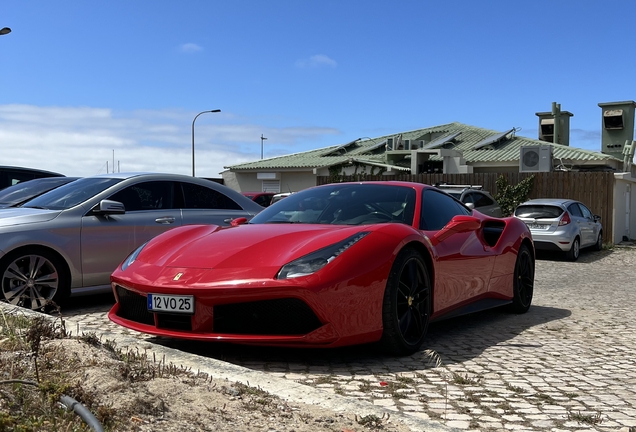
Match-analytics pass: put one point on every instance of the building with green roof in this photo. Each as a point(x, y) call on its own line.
point(449, 148)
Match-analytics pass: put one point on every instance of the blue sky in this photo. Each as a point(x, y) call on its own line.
point(84, 83)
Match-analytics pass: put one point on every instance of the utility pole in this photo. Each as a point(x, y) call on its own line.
point(262, 139)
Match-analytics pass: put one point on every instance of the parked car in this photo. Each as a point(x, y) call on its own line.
point(279, 196)
point(338, 264)
point(10, 175)
point(22, 192)
point(261, 198)
point(69, 240)
point(562, 225)
point(474, 197)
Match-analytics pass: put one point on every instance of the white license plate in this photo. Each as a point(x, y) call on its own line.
point(538, 226)
point(171, 303)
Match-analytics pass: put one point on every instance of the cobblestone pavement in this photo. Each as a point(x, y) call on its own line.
point(569, 364)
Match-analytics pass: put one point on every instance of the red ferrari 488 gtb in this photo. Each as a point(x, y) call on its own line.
point(333, 265)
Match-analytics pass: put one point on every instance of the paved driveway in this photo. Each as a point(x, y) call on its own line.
point(569, 364)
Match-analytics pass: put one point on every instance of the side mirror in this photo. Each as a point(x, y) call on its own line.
point(457, 224)
point(597, 218)
point(238, 221)
point(109, 207)
point(470, 205)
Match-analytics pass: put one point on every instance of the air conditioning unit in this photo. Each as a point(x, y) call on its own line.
point(535, 159)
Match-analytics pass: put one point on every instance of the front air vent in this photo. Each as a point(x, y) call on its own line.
point(267, 317)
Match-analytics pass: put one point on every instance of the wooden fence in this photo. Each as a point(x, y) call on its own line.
point(594, 189)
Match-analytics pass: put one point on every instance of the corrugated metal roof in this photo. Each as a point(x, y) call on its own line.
point(506, 150)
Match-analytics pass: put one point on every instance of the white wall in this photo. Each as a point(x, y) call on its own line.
point(624, 207)
point(289, 180)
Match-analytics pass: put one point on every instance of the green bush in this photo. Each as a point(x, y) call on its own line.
point(510, 196)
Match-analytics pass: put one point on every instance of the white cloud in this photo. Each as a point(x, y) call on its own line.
point(190, 48)
point(79, 141)
point(316, 61)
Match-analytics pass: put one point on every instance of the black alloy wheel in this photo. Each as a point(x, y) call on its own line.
point(407, 304)
point(523, 288)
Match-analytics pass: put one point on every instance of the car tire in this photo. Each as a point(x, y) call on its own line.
point(407, 305)
point(523, 283)
point(34, 279)
point(599, 242)
point(575, 250)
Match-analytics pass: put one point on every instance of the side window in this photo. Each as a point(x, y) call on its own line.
point(481, 200)
point(146, 196)
point(201, 197)
point(586, 212)
point(438, 209)
point(575, 210)
point(468, 198)
point(263, 200)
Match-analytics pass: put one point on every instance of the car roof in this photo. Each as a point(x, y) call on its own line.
point(549, 201)
point(390, 183)
point(127, 175)
point(245, 202)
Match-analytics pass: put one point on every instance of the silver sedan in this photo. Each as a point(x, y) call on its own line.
point(69, 240)
point(562, 225)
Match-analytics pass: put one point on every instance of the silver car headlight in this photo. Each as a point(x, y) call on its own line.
point(132, 257)
point(314, 261)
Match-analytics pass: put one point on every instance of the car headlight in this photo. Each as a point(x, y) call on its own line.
point(314, 261)
point(132, 257)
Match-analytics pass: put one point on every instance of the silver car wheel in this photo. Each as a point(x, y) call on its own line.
point(599, 242)
point(573, 254)
point(30, 281)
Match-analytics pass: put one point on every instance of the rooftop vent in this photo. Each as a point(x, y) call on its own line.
point(548, 127)
point(617, 126)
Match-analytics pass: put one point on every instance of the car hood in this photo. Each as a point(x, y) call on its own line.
point(23, 215)
point(245, 246)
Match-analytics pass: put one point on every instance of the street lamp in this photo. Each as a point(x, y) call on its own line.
point(262, 139)
point(195, 117)
point(4, 31)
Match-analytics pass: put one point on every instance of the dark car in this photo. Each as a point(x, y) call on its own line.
point(260, 198)
point(474, 197)
point(10, 175)
point(18, 194)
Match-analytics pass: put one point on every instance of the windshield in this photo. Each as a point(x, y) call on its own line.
point(343, 204)
point(25, 190)
point(538, 211)
point(72, 194)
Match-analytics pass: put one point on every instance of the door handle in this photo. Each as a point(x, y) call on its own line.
point(166, 220)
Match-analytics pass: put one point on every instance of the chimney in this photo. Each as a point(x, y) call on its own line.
point(617, 126)
point(554, 126)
